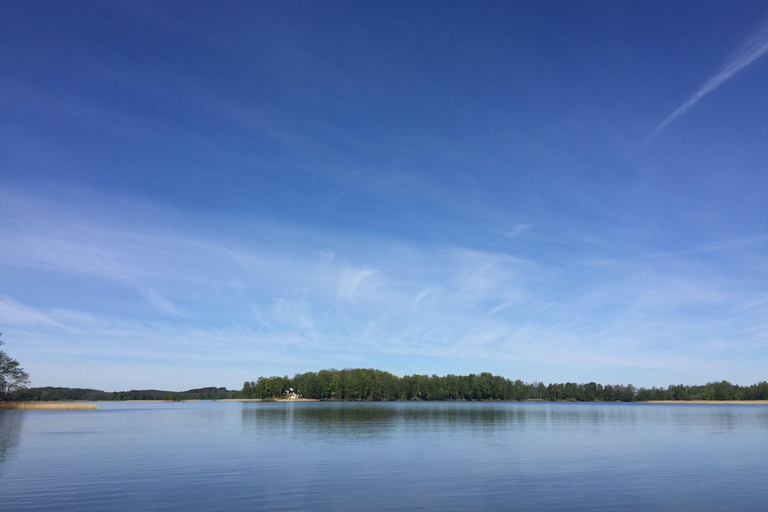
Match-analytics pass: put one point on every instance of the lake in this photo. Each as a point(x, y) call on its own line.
point(386, 456)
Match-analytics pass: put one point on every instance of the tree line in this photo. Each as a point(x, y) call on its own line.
point(370, 384)
point(95, 395)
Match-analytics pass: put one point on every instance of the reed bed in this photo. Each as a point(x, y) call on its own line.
point(48, 406)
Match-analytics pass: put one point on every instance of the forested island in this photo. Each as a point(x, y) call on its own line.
point(370, 384)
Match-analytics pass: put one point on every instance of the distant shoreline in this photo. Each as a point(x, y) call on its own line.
point(364, 384)
point(154, 401)
point(48, 406)
point(84, 406)
point(269, 400)
point(713, 402)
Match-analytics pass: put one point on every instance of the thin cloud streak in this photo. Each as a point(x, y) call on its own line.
point(751, 54)
point(325, 296)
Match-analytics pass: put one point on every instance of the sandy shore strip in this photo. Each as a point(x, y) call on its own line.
point(48, 406)
point(712, 402)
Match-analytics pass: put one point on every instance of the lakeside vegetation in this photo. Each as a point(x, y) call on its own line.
point(95, 395)
point(12, 376)
point(47, 406)
point(370, 384)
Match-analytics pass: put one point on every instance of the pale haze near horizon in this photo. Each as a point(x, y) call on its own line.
point(197, 194)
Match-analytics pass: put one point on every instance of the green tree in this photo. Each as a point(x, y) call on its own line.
point(12, 376)
point(248, 390)
point(590, 392)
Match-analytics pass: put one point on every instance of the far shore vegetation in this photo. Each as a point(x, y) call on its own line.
point(360, 384)
point(95, 395)
point(47, 406)
point(370, 384)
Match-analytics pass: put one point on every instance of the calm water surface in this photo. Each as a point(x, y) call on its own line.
point(385, 456)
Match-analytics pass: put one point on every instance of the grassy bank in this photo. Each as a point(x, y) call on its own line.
point(48, 406)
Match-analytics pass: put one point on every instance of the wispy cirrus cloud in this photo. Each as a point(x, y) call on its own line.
point(754, 49)
point(517, 230)
point(281, 299)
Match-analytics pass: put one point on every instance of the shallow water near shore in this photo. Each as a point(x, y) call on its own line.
point(385, 456)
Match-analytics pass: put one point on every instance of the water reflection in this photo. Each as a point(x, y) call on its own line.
point(10, 431)
point(428, 456)
point(367, 420)
point(320, 420)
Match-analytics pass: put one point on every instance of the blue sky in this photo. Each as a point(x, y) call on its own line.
point(198, 194)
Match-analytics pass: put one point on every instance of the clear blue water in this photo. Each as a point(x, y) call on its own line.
point(385, 456)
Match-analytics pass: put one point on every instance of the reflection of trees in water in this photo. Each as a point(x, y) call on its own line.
point(329, 421)
point(348, 420)
point(10, 431)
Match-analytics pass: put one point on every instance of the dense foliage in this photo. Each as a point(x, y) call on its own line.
point(369, 384)
point(12, 376)
point(50, 393)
